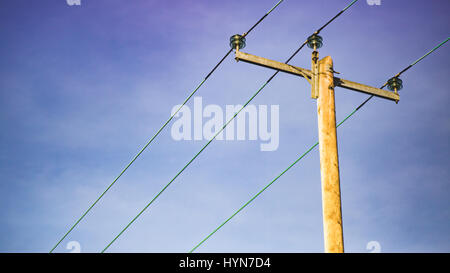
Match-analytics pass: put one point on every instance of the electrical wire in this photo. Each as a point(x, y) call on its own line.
point(421, 58)
point(160, 129)
point(262, 18)
point(404, 70)
point(307, 152)
point(206, 145)
point(196, 155)
point(336, 16)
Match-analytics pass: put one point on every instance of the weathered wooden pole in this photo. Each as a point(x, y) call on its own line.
point(329, 162)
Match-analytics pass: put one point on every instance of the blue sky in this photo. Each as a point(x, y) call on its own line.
point(83, 88)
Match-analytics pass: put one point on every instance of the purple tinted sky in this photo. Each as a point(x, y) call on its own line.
point(83, 87)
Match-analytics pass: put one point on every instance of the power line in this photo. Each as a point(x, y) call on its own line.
point(206, 145)
point(262, 18)
point(322, 27)
point(421, 58)
point(336, 16)
point(404, 70)
point(160, 129)
point(307, 152)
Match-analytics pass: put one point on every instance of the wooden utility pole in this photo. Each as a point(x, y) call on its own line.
point(329, 163)
point(322, 80)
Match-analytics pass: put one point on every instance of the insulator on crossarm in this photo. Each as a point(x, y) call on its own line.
point(395, 84)
point(315, 41)
point(237, 41)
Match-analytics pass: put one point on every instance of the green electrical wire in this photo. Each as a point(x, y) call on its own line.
point(262, 18)
point(431, 51)
point(423, 57)
point(307, 152)
point(160, 129)
point(336, 16)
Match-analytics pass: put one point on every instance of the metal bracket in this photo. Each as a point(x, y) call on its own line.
point(315, 75)
point(307, 77)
